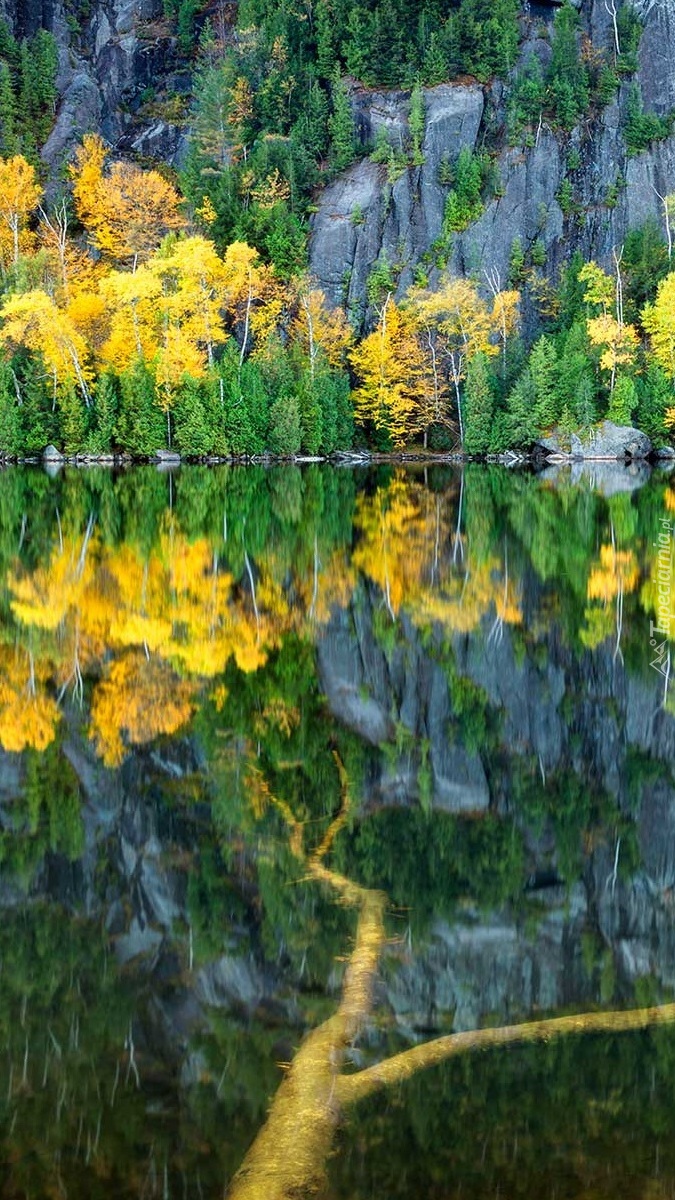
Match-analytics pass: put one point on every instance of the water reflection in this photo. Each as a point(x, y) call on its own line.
point(185, 664)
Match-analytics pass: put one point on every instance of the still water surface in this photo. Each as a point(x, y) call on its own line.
point(191, 668)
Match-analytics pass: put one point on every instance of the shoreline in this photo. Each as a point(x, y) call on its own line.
point(168, 460)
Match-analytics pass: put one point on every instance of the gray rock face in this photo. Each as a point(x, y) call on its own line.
point(657, 62)
point(362, 216)
point(104, 65)
point(402, 220)
point(401, 697)
point(488, 965)
point(605, 441)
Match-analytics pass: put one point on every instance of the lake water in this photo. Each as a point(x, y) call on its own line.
point(224, 691)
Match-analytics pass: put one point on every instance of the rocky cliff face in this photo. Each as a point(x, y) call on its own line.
point(579, 716)
point(493, 963)
point(362, 217)
point(113, 58)
point(112, 54)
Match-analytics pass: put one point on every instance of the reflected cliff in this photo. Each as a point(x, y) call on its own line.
point(484, 654)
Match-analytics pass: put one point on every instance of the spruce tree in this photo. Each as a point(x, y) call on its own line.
point(341, 126)
point(478, 406)
point(543, 368)
point(11, 432)
point(522, 426)
point(192, 432)
point(141, 423)
point(655, 395)
point(9, 143)
point(105, 411)
point(72, 420)
point(285, 434)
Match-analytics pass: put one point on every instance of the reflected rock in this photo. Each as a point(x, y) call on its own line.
point(608, 478)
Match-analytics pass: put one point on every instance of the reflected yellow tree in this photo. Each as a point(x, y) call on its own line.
point(28, 715)
point(151, 627)
point(289, 1155)
point(406, 548)
point(614, 574)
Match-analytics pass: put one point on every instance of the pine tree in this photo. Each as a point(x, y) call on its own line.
point(192, 432)
point(72, 420)
point(141, 424)
point(341, 126)
point(105, 410)
point(285, 431)
point(11, 432)
point(478, 406)
point(9, 142)
point(543, 367)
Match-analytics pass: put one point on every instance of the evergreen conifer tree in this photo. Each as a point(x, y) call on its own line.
point(141, 424)
point(72, 420)
point(521, 405)
point(285, 432)
point(655, 395)
point(478, 406)
point(192, 426)
point(543, 367)
point(38, 407)
point(11, 432)
point(341, 125)
point(105, 410)
point(9, 142)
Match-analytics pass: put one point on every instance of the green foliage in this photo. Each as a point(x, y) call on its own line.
point(11, 426)
point(141, 425)
point(72, 420)
point(478, 406)
point(27, 91)
point(285, 432)
point(567, 77)
point(519, 427)
point(341, 126)
point(38, 416)
point(526, 100)
point(543, 367)
point(607, 85)
point(380, 281)
point(644, 264)
point(629, 29)
point(575, 377)
point(655, 395)
point(622, 401)
point(196, 427)
point(426, 863)
point(642, 128)
point(46, 816)
point(464, 203)
point(516, 262)
point(105, 412)
point(566, 198)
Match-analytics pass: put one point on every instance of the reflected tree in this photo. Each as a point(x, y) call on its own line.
point(289, 1155)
